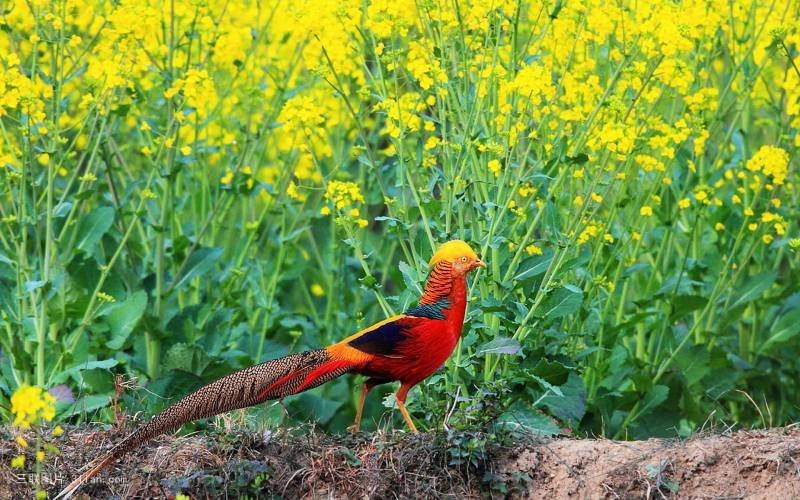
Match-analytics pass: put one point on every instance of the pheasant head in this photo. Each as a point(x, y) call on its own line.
point(460, 257)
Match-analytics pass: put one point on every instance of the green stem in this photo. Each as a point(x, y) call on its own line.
point(75, 336)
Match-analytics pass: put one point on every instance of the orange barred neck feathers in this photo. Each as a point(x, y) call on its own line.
point(439, 284)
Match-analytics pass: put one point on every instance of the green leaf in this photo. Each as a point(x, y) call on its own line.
point(654, 397)
point(684, 304)
point(84, 405)
point(198, 264)
point(571, 404)
point(6, 375)
point(123, 318)
point(92, 227)
point(76, 369)
point(410, 278)
point(562, 301)
point(33, 285)
point(550, 369)
point(97, 381)
point(754, 288)
point(693, 363)
point(168, 388)
point(548, 386)
point(579, 159)
point(5, 260)
point(785, 329)
point(185, 357)
point(520, 417)
point(321, 409)
point(535, 266)
point(500, 345)
point(62, 209)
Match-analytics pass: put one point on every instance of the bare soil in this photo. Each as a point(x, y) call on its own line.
point(308, 464)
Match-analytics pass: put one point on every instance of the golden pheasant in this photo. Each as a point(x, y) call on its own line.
point(407, 348)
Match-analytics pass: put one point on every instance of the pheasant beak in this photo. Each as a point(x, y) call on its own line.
point(480, 263)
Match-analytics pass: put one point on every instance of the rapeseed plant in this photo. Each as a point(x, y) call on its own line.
point(628, 168)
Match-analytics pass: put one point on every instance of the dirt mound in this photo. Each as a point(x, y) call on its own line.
point(744, 464)
point(304, 464)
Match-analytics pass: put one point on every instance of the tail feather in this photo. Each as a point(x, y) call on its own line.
point(269, 380)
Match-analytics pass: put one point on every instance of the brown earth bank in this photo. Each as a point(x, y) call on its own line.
point(308, 464)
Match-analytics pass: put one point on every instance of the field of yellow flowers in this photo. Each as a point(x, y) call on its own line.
point(192, 186)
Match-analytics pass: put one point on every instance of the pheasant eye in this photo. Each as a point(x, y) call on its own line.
point(464, 259)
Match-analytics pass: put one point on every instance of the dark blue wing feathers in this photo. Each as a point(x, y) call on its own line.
point(385, 339)
point(381, 341)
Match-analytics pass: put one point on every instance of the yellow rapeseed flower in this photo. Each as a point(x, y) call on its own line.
point(317, 290)
point(771, 161)
point(343, 194)
point(532, 249)
point(517, 210)
point(294, 193)
point(769, 217)
point(431, 142)
point(495, 167)
point(589, 232)
point(29, 404)
point(646, 211)
point(526, 189)
point(227, 179)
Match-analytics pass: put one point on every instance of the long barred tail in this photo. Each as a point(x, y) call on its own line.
point(269, 380)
